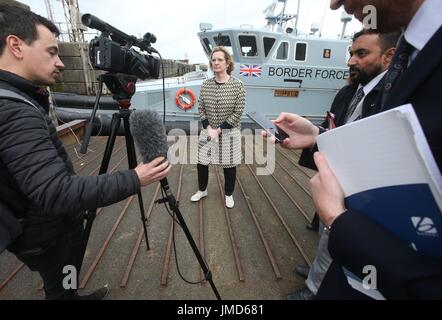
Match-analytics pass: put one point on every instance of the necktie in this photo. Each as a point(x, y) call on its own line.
point(354, 102)
point(398, 65)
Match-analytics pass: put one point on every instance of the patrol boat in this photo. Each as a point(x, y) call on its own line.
point(282, 70)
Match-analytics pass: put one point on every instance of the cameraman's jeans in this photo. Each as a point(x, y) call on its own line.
point(321, 263)
point(49, 257)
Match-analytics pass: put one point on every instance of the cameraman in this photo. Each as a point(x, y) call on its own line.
point(36, 162)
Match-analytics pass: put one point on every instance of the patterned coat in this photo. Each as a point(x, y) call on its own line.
point(221, 106)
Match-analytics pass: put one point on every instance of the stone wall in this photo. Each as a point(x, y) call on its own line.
point(73, 78)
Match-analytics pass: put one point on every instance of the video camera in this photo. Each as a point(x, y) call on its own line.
point(117, 55)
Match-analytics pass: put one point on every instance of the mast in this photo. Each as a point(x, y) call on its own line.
point(297, 16)
point(49, 10)
point(345, 18)
point(75, 30)
point(280, 19)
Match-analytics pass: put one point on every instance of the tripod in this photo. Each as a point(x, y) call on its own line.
point(173, 205)
point(123, 88)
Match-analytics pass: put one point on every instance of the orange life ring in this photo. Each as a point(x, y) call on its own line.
point(182, 102)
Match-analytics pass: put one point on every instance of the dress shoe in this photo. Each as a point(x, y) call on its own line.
point(99, 294)
point(229, 202)
point(314, 225)
point(197, 196)
point(301, 294)
point(302, 271)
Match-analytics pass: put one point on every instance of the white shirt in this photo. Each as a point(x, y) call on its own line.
point(367, 89)
point(423, 25)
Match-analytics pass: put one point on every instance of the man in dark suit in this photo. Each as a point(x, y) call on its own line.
point(402, 272)
point(355, 241)
point(415, 77)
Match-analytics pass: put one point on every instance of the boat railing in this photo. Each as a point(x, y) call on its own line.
point(195, 75)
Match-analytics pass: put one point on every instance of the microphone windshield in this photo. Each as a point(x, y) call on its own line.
point(149, 134)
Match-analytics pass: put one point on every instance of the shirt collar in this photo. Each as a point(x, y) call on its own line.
point(39, 94)
point(21, 83)
point(369, 86)
point(424, 24)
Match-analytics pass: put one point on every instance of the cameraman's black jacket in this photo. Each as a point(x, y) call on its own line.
point(36, 160)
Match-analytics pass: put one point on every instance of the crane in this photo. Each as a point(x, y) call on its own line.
point(75, 30)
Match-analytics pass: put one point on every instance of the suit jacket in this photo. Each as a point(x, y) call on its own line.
point(343, 98)
point(339, 108)
point(355, 241)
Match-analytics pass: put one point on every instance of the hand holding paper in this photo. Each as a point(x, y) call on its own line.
point(327, 194)
point(388, 173)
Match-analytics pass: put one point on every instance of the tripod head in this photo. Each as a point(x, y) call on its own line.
point(122, 87)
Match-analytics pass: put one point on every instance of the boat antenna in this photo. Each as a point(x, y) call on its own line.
point(345, 18)
point(297, 15)
point(326, 6)
point(280, 19)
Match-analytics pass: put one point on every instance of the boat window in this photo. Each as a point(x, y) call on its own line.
point(283, 51)
point(268, 45)
point(207, 46)
point(223, 40)
point(248, 46)
point(301, 51)
point(347, 55)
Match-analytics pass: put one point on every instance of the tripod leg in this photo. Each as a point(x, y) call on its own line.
point(173, 204)
point(90, 216)
point(115, 125)
point(197, 252)
point(132, 159)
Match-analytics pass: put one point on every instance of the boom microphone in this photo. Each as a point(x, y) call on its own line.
point(149, 134)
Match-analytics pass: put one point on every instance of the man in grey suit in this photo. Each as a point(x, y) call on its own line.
point(370, 56)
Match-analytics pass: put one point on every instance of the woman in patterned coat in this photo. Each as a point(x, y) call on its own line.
point(221, 104)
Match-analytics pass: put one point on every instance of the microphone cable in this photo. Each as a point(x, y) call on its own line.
point(172, 215)
point(164, 87)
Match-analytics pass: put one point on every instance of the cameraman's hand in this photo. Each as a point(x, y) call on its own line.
point(153, 171)
point(302, 133)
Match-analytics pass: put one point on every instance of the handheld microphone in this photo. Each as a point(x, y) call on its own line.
point(150, 137)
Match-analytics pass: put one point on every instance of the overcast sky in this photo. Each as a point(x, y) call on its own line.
point(176, 22)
